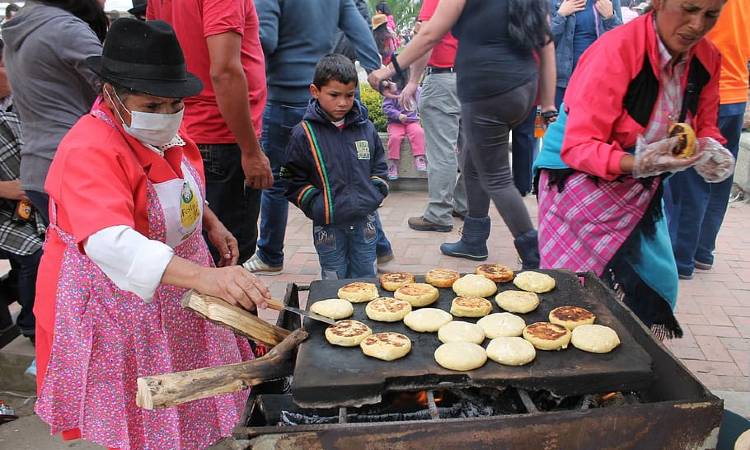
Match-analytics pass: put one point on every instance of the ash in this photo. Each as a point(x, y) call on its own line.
point(462, 409)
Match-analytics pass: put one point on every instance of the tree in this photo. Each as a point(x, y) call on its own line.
point(404, 11)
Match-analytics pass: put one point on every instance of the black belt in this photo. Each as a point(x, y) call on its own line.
point(433, 70)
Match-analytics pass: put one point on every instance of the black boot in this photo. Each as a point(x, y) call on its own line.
point(527, 246)
point(473, 243)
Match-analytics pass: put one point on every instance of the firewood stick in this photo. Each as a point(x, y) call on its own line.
point(237, 319)
point(171, 389)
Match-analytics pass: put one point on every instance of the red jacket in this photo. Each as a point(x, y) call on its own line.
point(612, 93)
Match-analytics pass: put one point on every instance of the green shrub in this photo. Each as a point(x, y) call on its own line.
point(374, 103)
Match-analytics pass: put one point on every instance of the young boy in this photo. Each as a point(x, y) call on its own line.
point(335, 172)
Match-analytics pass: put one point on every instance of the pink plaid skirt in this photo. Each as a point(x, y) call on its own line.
point(582, 227)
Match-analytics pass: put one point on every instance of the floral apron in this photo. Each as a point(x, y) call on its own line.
point(105, 338)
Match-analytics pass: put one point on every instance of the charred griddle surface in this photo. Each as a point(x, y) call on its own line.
point(327, 375)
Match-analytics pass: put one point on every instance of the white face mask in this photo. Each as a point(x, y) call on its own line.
point(151, 128)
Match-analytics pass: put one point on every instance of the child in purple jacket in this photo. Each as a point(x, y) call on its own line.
point(402, 122)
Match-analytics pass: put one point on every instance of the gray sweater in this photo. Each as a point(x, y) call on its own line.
point(295, 34)
point(45, 49)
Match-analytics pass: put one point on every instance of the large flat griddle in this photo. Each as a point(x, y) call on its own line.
point(327, 375)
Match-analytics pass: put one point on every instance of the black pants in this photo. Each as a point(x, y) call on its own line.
point(486, 125)
point(22, 283)
point(236, 206)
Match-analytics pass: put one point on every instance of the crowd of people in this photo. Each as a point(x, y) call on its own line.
point(154, 159)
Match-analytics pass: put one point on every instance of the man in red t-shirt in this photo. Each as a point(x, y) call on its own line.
point(440, 111)
point(222, 47)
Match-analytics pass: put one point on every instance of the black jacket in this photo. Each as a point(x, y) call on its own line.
point(335, 176)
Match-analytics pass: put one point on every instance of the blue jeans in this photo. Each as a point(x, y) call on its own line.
point(278, 121)
point(524, 148)
point(696, 208)
point(234, 204)
point(347, 251)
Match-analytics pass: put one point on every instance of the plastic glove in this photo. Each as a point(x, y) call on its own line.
point(717, 163)
point(658, 157)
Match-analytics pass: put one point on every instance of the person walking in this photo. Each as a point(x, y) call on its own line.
point(294, 39)
point(498, 79)
point(696, 208)
point(440, 111)
point(226, 118)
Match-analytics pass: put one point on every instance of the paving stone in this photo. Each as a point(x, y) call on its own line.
point(688, 353)
point(743, 325)
point(713, 348)
point(716, 315)
point(742, 359)
point(713, 330)
point(713, 367)
point(736, 343)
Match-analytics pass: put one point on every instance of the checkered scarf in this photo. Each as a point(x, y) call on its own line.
point(589, 220)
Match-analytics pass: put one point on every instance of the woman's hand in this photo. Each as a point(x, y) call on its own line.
point(225, 243)
point(235, 285)
point(605, 8)
point(549, 114)
point(569, 7)
point(658, 157)
point(377, 77)
point(221, 238)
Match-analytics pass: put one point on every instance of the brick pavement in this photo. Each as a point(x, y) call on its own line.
point(713, 308)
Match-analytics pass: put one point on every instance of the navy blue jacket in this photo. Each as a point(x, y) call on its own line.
point(335, 176)
point(563, 29)
point(295, 34)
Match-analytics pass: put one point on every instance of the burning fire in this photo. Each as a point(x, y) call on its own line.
point(407, 399)
point(421, 397)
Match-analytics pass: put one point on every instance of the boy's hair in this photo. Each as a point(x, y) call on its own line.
point(334, 67)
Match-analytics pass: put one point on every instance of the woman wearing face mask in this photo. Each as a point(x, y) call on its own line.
point(603, 164)
point(126, 192)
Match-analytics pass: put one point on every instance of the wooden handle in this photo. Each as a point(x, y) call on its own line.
point(275, 305)
point(170, 389)
point(237, 319)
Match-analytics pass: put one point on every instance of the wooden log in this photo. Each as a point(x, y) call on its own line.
point(170, 389)
point(237, 319)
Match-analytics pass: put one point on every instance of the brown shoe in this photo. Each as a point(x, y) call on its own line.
point(422, 224)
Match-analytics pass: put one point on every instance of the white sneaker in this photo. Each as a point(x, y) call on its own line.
point(256, 265)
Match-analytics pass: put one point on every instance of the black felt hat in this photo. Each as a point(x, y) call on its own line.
point(145, 57)
point(139, 8)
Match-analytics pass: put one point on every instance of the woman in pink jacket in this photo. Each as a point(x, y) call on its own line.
point(601, 170)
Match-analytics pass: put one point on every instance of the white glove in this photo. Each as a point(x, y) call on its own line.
point(717, 163)
point(658, 157)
